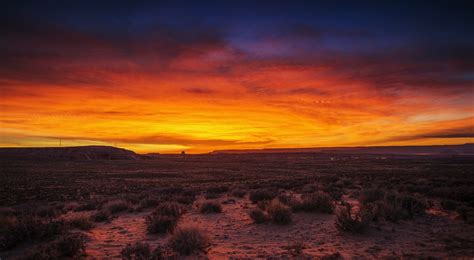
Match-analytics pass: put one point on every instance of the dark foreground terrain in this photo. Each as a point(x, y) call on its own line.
point(278, 206)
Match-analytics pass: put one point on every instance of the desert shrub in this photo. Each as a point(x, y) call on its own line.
point(170, 209)
point(393, 206)
point(7, 222)
point(43, 252)
point(148, 202)
point(66, 246)
point(349, 221)
point(285, 199)
point(187, 241)
point(295, 249)
point(315, 202)
point(185, 199)
point(371, 195)
point(238, 193)
point(94, 203)
point(30, 227)
point(116, 206)
point(217, 189)
point(210, 207)
point(137, 251)
point(102, 215)
point(333, 256)
point(309, 188)
point(279, 213)
point(49, 211)
point(334, 191)
point(70, 245)
point(142, 251)
point(263, 204)
point(212, 195)
point(87, 206)
point(466, 213)
point(228, 201)
point(81, 222)
point(71, 206)
point(258, 216)
point(172, 190)
point(157, 223)
point(411, 205)
point(262, 194)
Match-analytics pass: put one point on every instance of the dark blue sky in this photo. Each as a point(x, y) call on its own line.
point(396, 22)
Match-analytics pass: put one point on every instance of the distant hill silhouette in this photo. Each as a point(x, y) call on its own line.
point(464, 149)
point(70, 153)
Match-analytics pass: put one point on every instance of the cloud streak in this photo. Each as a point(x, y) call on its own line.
point(200, 88)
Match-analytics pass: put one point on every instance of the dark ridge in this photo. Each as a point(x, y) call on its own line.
point(85, 153)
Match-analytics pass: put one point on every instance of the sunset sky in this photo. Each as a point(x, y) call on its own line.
point(169, 76)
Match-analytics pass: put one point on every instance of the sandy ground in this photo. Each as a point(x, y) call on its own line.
point(234, 235)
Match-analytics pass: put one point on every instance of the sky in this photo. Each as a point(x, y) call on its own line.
point(198, 76)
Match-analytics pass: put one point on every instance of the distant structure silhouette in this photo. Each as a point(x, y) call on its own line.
point(183, 153)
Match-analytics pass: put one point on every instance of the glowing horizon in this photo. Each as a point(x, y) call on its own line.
point(157, 87)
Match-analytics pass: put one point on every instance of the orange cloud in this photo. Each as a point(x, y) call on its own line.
point(170, 92)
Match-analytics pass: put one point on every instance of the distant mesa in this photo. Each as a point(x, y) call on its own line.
point(70, 153)
point(464, 149)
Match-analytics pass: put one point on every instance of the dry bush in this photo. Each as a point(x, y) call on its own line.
point(148, 202)
point(371, 195)
point(448, 205)
point(70, 245)
point(187, 241)
point(263, 204)
point(315, 202)
point(239, 193)
point(156, 223)
point(81, 222)
point(397, 206)
point(285, 199)
point(165, 217)
point(212, 195)
point(309, 188)
point(142, 251)
point(412, 205)
point(262, 194)
point(49, 211)
point(279, 213)
point(258, 216)
point(7, 222)
point(29, 227)
point(115, 206)
point(295, 249)
point(66, 246)
point(102, 215)
point(466, 213)
point(217, 189)
point(170, 209)
point(94, 203)
point(210, 207)
point(137, 251)
point(392, 206)
point(333, 256)
point(349, 221)
point(43, 252)
point(185, 199)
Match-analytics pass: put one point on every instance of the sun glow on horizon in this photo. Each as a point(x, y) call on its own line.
point(159, 83)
